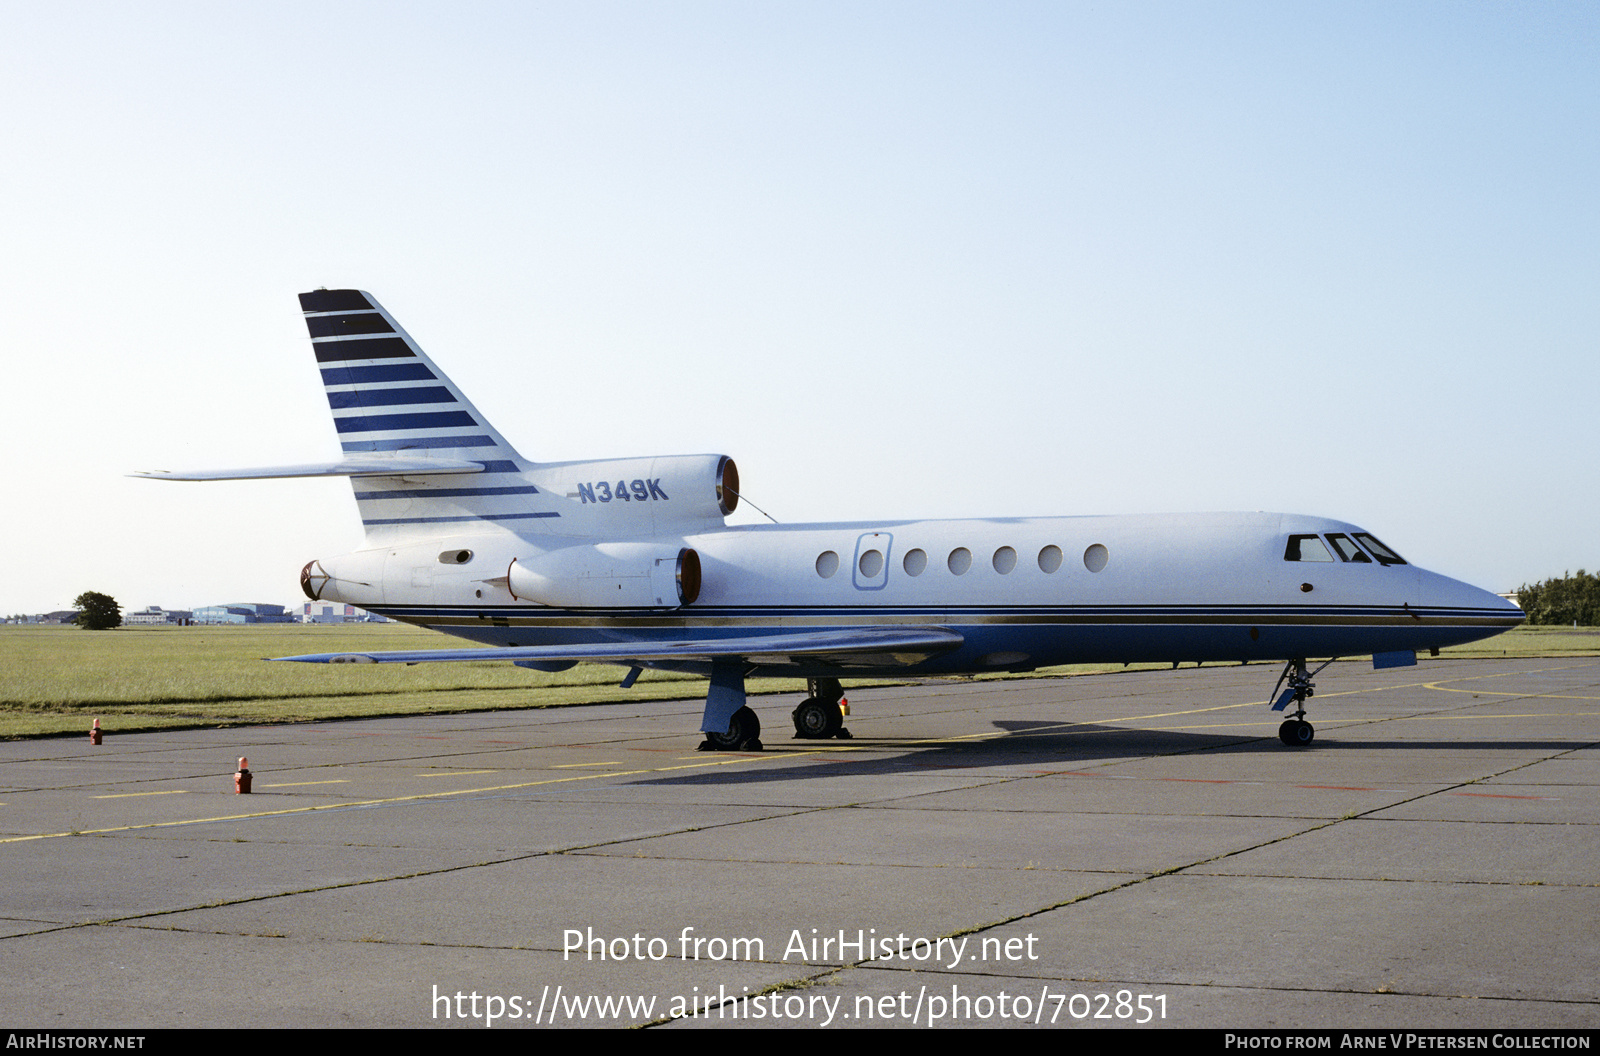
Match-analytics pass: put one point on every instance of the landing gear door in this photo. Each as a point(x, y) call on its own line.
point(871, 568)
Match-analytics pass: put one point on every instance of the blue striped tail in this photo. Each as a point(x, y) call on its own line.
point(388, 397)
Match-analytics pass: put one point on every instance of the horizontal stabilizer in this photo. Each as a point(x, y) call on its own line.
point(349, 467)
point(859, 647)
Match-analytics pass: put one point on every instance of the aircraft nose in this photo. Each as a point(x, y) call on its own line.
point(1442, 592)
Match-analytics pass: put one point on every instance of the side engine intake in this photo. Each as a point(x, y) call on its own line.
point(608, 576)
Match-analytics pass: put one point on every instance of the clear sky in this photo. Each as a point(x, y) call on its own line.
point(899, 259)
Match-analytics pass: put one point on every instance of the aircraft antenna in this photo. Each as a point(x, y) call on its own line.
point(758, 509)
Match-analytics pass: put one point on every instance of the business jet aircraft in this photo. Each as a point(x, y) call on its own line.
point(630, 562)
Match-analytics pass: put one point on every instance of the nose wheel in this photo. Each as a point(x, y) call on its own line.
point(1296, 733)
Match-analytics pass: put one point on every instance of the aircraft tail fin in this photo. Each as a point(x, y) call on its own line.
point(389, 401)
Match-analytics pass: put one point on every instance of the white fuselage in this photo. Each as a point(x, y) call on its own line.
point(1023, 593)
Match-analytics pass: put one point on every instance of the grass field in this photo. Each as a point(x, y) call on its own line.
point(54, 680)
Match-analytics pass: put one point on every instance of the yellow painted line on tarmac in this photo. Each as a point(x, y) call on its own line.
point(1335, 722)
point(1512, 693)
point(130, 795)
point(373, 802)
point(1510, 715)
point(573, 766)
point(1440, 684)
point(298, 784)
point(1270, 721)
point(456, 773)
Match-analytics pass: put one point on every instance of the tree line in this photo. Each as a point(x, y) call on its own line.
point(1572, 598)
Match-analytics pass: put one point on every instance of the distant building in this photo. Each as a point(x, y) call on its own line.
point(156, 615)
point(246, 612)
point(334, 612)
point(327, 612)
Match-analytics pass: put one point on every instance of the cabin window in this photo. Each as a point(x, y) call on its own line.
point(960, 560)
point(1050, 559)
point(1347, 550)
point(1095, 558)
point(1306, 548)
point(827, 563)
point(1005, 559)
point(1384, 555)
point(915, 562)
point(871, 564)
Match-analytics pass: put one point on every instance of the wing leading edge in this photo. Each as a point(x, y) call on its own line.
point(858, 647)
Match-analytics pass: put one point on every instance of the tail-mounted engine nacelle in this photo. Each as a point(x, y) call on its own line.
point(683, 488)
point(608, 576)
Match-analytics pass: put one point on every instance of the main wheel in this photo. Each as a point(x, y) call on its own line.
point(744, 734)
point(1296, 733)
point(816, 720)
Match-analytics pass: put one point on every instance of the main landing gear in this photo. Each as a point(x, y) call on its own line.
point(820, 716)
point(728, 723)
point(1296, 732)
point(744, 734)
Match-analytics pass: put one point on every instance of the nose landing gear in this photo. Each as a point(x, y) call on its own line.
point(1296, 732)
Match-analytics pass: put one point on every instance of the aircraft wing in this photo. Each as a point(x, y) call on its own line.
point(857, 647)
